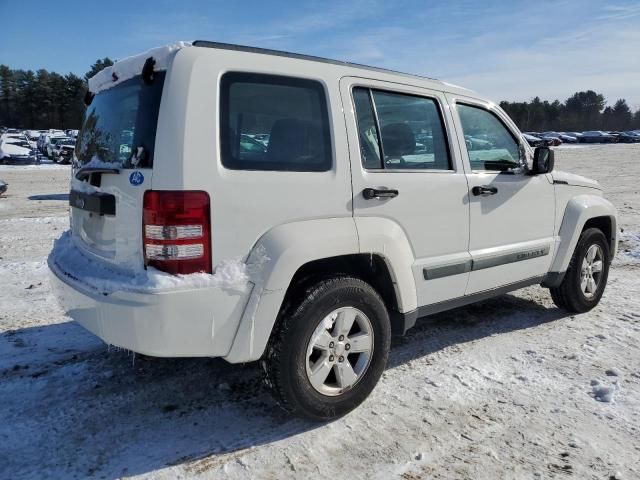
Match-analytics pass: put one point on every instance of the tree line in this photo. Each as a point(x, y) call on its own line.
point(581, 111)
point(43, 99)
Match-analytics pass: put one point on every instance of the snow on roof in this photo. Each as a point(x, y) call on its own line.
point(129, 67)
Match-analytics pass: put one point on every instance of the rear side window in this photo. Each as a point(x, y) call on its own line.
point(271, 122)
point(398, 131)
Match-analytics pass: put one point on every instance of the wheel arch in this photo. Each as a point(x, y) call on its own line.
point(605, 224)
point(293, 253)
point(368, 267)
point(581, 212)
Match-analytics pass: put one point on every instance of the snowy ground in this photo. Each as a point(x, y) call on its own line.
point(509, 388)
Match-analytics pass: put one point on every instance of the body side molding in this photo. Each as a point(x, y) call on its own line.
point(486, 262)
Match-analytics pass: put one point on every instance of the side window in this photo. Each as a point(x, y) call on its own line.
point(367, 129)
point(405, 131)
point(490, 145)
point(271, 122)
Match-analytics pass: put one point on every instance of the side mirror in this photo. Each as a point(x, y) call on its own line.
point(543, 160)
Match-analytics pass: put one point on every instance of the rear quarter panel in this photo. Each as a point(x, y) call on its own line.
point(245, 204)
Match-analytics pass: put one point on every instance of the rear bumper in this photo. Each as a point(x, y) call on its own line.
point(199, 322)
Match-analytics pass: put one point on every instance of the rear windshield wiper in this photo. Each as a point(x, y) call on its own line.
point(85, 172)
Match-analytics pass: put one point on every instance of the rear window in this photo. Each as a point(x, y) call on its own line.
point(120, 124)
point(271, 122)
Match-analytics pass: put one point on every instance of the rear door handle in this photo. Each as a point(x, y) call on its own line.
point(379, 193)
point(484, 190)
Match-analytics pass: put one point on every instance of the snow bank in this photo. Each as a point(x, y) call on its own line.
point(131, 66)
point(67, 260)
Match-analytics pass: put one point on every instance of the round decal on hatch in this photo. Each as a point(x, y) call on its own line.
point(136, 178)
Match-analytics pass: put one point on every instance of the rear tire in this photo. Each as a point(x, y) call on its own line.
point(328, 349)
point(586, 278)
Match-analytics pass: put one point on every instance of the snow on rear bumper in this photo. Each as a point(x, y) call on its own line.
point(169, 323)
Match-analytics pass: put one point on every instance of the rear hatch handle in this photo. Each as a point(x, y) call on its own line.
point(84, 173)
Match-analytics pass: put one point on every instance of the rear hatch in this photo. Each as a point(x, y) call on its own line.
point(112, 168)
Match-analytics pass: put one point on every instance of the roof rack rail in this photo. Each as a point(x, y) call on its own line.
point(300, 56)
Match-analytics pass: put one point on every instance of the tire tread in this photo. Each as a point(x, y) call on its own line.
point(565, 295)
point(274, 375)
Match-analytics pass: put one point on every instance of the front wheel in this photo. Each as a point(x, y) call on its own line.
point(585, 280)
point(328, 349)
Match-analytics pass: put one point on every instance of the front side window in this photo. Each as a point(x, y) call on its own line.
point(399, 131)
point(490, 145)
point(271, 122)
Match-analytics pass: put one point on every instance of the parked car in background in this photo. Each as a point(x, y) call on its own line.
point(564, 137)
point(597, 136)
point(629, 137)
point(534, 141)
point(552, 140)
point(475, 143)
point(41, 141)
point(3, 186)
point(45, 139)
point(32, 137)
point(615, 134)
point(577, 135)
point(545, 141)
point(16, 150)
point(13, 137)
point(51, 146)
point(252, 148)
point(63, 150)
point(262, 138)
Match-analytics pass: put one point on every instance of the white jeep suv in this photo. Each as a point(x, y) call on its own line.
point(373, 198)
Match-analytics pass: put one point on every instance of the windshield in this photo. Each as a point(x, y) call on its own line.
point(121, 122)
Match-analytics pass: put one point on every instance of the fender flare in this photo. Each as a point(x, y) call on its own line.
point(280, 252)
point(578, 211)
point(384, 237)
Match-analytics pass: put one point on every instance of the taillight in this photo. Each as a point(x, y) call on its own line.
point(176, 231)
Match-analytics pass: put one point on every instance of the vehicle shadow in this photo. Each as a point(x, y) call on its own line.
point(498, 315)
point(51, 196)
point(111, 414)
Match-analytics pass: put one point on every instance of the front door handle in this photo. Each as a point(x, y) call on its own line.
point(484, 190)
point(379, 193)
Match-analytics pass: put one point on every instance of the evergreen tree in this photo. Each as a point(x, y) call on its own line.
point(622, 115)
point(50, 100)
point(99, 64)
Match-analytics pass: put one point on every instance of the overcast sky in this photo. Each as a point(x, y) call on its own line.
point(510, 50)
